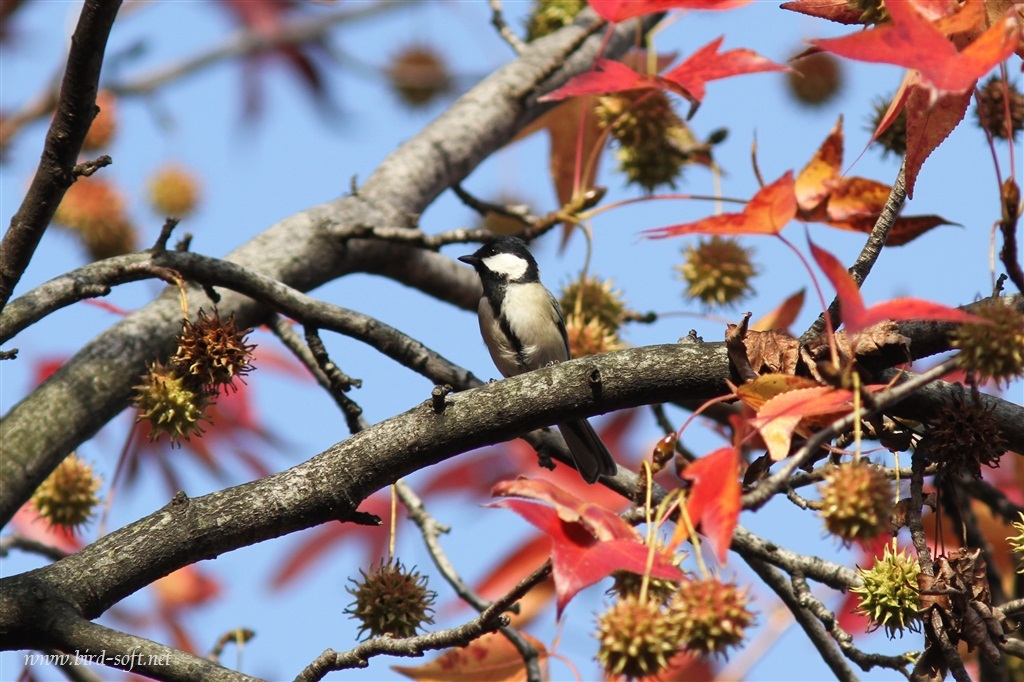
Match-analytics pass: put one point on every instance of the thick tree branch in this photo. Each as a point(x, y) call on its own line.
point(76, 107)
point(305, 250)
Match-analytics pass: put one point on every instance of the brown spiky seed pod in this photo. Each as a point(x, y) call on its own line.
point(418, 75)
point(815, 79)
point(589, 338)
point(95, 210)
point(638, 638)
point(962, 436)
point(712, 616)
point(173, 191)
point(548, 16)
point(171, 403)
point(213, 350)
point(103, 127)
point(995, 99)
point(856, 500)
point(889, 595)
point(391, 600)
point(67, 497)
point(894, 138)
point(992, 351)
point(594, 299)
point(718, 271)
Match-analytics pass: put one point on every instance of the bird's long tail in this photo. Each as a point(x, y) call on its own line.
point(591, 457)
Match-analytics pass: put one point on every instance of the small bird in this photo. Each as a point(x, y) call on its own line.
point(523, 328)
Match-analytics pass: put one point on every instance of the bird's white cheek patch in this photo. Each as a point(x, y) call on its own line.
point(507, 264)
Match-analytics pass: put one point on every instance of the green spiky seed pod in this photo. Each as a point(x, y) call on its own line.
point(174, 191)
point(1017, 541)
point(391, 600)
point(889, 596)
point(646, 128)
point(992, 351)
point(67, 497)
point(548, 16)
point(594, 299)
point(712, 616)
point(638, 639)
point(856, 500)
point(718, 271)
point(213, 350)
point(871, 11)
point(894, 138)
point(171, 403)
point(589, 338)
point(993, 101)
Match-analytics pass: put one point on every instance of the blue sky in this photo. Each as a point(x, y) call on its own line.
point(294, 156)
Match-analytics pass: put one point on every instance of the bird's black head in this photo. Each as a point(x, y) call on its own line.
point(504, 260)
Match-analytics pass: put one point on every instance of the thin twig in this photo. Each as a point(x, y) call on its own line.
point(869, 254)
point(507, 34)
point(430, 528)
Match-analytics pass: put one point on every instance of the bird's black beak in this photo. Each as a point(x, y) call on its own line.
point(470, 260)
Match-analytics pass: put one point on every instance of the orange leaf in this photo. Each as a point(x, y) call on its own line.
point(491, 658)
point(814, 183)
point(765, 387)
point(714, 499)
point(912, 41)
point(708, 64)
point(782, 415)
point(608, 77)
point(839, 11)
point(783, 316)
point(930, 120)
point(856, 317)
point(767, 212)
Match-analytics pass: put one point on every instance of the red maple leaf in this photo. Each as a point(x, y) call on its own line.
point(687, 79)
point(857, 317)
point(588, 541)
point(767, 212)
point(620, 10)
point(708, 64)
point(914, 42)
point(714, 499)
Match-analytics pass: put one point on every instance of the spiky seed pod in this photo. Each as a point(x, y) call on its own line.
point(993, 100)
point(213, 350)
point(872, 11)
point(815, 79)
point(1017, 541)
point(418, 75)
point(712, 616)
point(992, 351)
point(589, 338)
point(894, 138)
point(95, 210)
point(638, 638)
point(889, 596)
point(658, 589)
point(718, 271)
point(67, 497)
point(594, 299)
point(391, 600)
point(962, 436)
point(173, 191)
point(646, 127)
point(171, 403)
point(548, 16)
point(103, 127)
point(856, 500)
